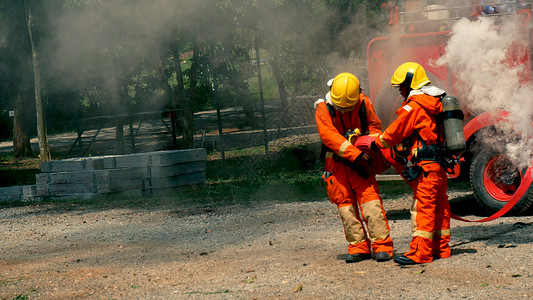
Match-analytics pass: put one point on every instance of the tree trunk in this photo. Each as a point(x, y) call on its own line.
point(180, 89)
point(179, 92)
point(21, 139)
point(261, 97)
point(280, 82)
point(285, 107)
point(119, 136)
point(248, 107)
point(44, 149)
point(158, 65)
point(188, 116)
point(163, 80)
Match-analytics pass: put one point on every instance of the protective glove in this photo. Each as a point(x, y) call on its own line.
point(362, 157)
point(359, 169)
point(411, 173)
point(374, 147)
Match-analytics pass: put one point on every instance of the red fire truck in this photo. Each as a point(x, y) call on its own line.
point(420, 31)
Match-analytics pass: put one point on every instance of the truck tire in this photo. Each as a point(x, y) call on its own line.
point(494, 179)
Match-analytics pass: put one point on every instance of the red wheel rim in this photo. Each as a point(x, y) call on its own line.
point(501, 178)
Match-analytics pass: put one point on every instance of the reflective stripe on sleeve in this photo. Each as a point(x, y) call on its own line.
point(383, 141)
point(343, 148)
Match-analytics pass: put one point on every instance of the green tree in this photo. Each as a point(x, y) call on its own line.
point(306, 37)
point(44, 149)
point(17, 76)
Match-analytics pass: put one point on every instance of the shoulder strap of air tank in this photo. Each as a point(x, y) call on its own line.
point(331, 110)
point(363, 117)
point(324, 148)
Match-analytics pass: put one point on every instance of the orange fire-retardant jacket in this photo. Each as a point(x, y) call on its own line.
point(332, 130)
point(418, 113)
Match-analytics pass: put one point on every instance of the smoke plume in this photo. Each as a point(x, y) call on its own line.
point(489, 62)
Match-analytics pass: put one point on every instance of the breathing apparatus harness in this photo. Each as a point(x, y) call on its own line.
point(348, 132)
point(436, 153)
point(431, 154)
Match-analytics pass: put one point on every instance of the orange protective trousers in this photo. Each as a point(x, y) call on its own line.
point(359, 205)
point(430, 216)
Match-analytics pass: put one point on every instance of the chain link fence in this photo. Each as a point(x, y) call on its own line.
point(289, 131)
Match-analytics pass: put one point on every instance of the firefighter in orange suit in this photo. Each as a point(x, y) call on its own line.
point(416, 130)
point(352, 188)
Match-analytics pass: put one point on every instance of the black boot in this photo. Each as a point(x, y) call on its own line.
point(382, 256)
point(403, 260)
point(357, 257)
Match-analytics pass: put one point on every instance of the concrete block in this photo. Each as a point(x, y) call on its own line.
point(121, 174)
point(120, 180)
point(171, 157)
point(11, 193)
point(29, 192)
point(46, 166)
point(177, 169)
point(71, 189)
point(175, 181)
point(42, 190)
point(96, 163)
point(72, 177)
point(65, 165)
point(132, 161)
point(147, 182)
point(73, 164)
point(42, 178)
point(120, 186)
point(109, 162)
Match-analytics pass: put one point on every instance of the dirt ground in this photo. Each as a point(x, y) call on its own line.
point(261, 251)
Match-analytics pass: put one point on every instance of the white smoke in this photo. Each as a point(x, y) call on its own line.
point(489, 62)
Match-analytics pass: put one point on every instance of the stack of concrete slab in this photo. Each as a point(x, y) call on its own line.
point(143, 172)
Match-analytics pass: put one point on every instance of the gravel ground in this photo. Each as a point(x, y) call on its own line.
point(261, 251)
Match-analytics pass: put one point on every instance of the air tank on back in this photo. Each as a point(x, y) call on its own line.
point(453, 124)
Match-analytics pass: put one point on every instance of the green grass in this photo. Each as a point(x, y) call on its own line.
point(275, 188)
point(18, 171)
point(293, 174)
point(213, 193)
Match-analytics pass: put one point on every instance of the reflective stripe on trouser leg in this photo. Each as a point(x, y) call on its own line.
point(423, 213)
point(378, 227)
point(353, 229)
point(414, 223)
point(441, 237)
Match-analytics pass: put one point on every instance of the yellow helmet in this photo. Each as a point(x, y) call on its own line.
point(345, 90)
point(410, 74)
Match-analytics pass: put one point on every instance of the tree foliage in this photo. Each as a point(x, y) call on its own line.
point(124, 56)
